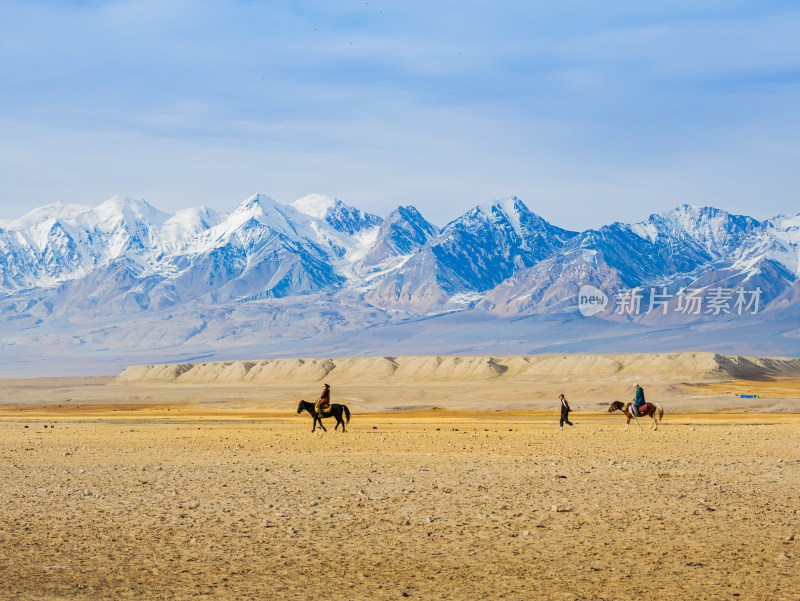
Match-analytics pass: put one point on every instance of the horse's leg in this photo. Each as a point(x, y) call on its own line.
point(321, 425)
point(627, 423)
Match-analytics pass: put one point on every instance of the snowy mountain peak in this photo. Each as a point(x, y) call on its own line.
point(334, 212)
point(119, 208)
point(187, 223)
point(261, 209)
point(511, 209)
point(510, 204)
point(403, 232)
point(255, 204)
point(506, 206)
point(782, 222)
point(316, 205)
point(689, 217)
point(56, 211)
point(410, 214)
point(512, 216)
point(704, 227)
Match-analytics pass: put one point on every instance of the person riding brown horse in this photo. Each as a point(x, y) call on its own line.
point(653, 410)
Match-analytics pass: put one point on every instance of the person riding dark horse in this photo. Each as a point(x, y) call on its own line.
point(339, 412)
point(324, 401)
point(638, 399)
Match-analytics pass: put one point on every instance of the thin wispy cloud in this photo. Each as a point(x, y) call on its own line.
point(586, 111)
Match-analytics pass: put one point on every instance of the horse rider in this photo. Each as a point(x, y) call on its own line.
point(324, 401)
point(638, 399)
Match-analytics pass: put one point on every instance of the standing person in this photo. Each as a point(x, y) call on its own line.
point(565, 409)
point(638, 399)
point(324, 400)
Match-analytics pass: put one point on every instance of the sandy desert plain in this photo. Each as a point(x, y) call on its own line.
point(451, 482)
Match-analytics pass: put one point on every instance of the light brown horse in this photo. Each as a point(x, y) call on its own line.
point(653, 410)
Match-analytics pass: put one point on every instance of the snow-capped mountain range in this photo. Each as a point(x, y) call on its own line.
point(124, 279)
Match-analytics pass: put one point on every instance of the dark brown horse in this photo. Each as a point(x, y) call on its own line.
point(653, 410)
point(336, 411)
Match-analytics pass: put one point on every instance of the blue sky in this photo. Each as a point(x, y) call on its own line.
point(591, 112)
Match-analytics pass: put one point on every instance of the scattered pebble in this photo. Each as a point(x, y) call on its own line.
point(294, 483)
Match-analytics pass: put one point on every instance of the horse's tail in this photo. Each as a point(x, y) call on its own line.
point(660, 411)
point(346, 413)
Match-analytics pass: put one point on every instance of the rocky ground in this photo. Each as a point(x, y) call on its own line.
point(423, 505)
